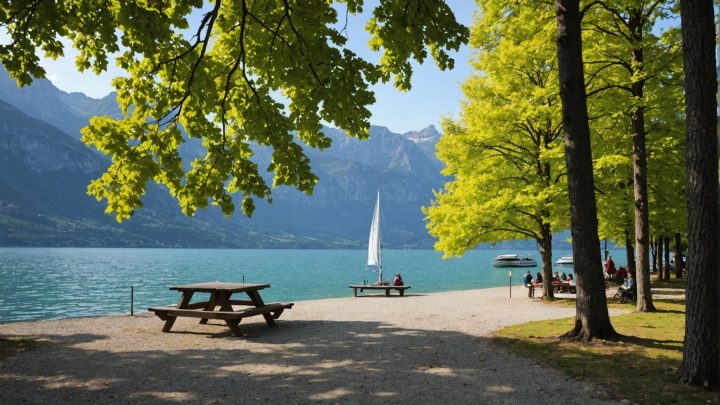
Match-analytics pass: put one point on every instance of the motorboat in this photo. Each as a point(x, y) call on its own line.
point(565, 261)
point(513, 260)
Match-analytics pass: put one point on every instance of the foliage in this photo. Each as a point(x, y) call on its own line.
point(263, 72)
point(505, 152)
point(641, 366)
point(611, 74)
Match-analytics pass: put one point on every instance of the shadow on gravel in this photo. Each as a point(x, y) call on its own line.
point(304, 361)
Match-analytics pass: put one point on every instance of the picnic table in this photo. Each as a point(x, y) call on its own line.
point(558, 286)
point(220, 305)
point(400, 288)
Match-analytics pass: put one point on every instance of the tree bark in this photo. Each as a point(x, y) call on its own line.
point(653, 253)
point(700, 364)
point(659, 256)
point(591, 318)
point(666, 275)
point(640, 188)
point(630, 253)
point(545, 244)
point(679, 264)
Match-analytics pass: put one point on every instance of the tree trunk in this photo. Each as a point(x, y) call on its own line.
point(667, 259)
point(640, 191)
point(653, 252)
point(700, 364)
point(659, 256)
point(591, 317)
point(679, 265)
point(545, 244)
point(630, 253)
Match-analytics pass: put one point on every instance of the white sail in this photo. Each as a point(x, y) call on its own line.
point(374, 242)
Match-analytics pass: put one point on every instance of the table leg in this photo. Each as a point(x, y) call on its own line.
point(255, 297)
point(223, 300)
point(233, 325)
point(183, 303)
point(210, 306)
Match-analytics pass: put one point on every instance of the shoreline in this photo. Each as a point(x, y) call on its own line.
point(371, 294)
point(427, 348)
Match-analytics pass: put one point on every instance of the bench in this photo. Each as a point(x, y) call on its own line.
point(232, 318)
point(400, 288)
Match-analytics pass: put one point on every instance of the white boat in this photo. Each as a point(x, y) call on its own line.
point(513, 261)
point(565, 261)
point(374, 261)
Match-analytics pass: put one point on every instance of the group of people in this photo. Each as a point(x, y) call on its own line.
point(611, 273)
point(561, 280)
point(621, 276)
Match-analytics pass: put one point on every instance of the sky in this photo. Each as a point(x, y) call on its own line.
point(434, 94)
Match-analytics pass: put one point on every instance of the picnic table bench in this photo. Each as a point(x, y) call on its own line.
point(220, 294)
point(400, 288)
point(558, 286)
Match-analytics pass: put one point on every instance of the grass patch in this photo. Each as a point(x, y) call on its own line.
point(641, 366)
point(672, 283)
point(15, 344)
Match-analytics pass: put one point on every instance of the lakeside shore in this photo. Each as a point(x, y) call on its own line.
point(425, 348)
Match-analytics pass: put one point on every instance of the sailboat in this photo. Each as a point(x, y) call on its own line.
point(374, 261)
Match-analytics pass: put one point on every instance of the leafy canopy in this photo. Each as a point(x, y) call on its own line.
point(611, 75)
point(252, 72)
point(505, 152)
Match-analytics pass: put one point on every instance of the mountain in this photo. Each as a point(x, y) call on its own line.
point(43, 200)
point(426, 139)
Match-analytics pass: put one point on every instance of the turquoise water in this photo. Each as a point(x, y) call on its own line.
point(51, 283)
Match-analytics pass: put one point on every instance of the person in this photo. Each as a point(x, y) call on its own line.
point(563, 276)
point(538, 278)
point(529, 285)
point(556, 277)
point(610, 267)
point(627, 290)
point(571, 284)
point(620, 275)
point(398, 279)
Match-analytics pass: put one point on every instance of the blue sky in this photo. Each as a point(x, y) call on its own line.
point(434, 93)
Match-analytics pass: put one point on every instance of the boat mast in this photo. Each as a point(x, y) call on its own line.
point(379, 240)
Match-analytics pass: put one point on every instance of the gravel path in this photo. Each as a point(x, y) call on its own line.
point(430, 349)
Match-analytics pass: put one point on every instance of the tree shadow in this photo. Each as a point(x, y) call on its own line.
point(666, 344)
point(298, 362)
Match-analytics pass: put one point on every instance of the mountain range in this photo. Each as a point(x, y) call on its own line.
point(43, 200)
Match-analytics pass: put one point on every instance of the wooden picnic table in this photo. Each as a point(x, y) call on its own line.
point(220, 305)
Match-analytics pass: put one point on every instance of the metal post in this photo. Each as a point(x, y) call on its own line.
point(243, 279)
point(132, 300)
point(510, 284)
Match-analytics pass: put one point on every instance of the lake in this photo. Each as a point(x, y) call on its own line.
point(52, 283)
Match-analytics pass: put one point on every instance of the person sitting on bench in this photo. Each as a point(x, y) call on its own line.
point(398, 280)
point(627, 290)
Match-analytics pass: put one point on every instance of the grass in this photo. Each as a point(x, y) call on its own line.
point(641, 366)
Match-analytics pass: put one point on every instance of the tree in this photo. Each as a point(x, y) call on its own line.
point(631, 62)
point(592, 319)
point(701, 349)
point(504, 153)
point(264, 72)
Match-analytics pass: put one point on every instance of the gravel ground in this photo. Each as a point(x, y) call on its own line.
point(425, 349)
